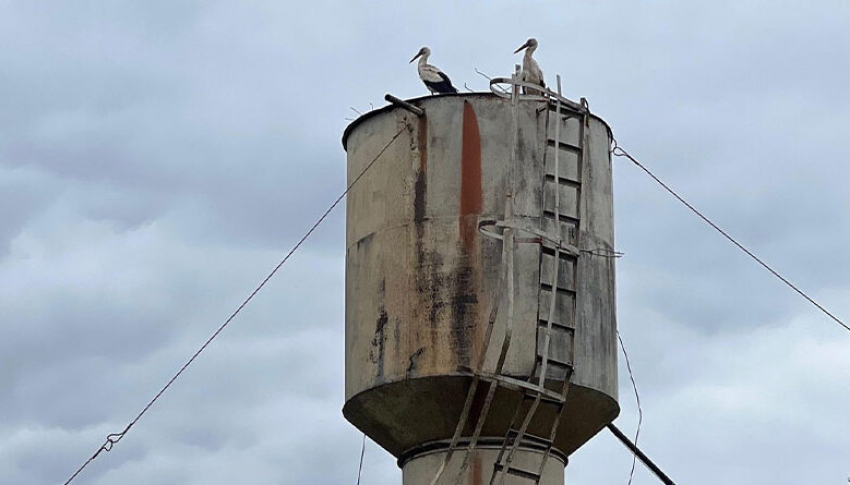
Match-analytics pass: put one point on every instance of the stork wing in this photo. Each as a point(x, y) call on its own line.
point(436, 80)
point(431, 74)
point(445, 78)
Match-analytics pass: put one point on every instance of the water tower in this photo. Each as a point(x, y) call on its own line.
point(479, 257)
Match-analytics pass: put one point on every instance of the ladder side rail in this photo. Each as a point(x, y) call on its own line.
point(552, 300)
point(505, 468)
point(508, 267)
point(570, 371)
point(516, 442)
point(515, 81)
point(557, 259)
point(554, 432)
point(508, 262)
point(515, 128)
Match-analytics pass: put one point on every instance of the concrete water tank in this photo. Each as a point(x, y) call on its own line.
point(421, 276)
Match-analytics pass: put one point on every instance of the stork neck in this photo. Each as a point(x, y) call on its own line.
point(423, 60)
point(530, 51)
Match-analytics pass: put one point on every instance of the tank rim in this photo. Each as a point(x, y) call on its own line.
point(404, 454)
point(418, 100)
point(486, 442)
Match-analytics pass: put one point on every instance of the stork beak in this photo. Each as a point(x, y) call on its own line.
point(521, 47)
point(415, 57)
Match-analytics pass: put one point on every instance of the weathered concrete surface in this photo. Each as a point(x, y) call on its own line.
point(420, 278)
point(420, 469)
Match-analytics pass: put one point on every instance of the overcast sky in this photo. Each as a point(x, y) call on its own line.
point(158, 158)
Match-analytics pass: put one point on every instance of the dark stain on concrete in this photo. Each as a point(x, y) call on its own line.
point(421, 185)
point(464, 308)
point(411, 362)
point(376, 354)
point(434, 282)
point(420, 200)
point(428, 277)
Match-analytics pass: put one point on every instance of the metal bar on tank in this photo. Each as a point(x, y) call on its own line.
point(508, 234)
point(476, 379)
point(641, 456)
point(557, 262)
point(514, 130)
point(491, 390)
point(557, 258)
point(404, 104)
point(508, 259)
point(519, 434)
point(509, 244)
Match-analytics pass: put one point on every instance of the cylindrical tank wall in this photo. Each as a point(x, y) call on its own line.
point(421, 468)
point(421, 278)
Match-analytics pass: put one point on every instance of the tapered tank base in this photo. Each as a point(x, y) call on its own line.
point(420, 469)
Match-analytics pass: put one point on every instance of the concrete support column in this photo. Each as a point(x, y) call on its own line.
point(421, 468)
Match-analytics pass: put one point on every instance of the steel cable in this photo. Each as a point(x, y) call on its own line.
point(114, 438)
point(362, 452)
point(637, 399)
point(619, 152)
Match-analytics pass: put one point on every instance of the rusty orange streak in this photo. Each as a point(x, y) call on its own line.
point(476, 470)
point(470, 176)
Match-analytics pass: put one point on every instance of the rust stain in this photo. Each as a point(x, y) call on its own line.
point(421, 185)
point(470, 176)
point(428, 278)
point(476, 470)
point(423, 143)
point(420, 189)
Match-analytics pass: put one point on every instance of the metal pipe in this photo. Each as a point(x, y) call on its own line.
point(641, 456)
point(404, 104)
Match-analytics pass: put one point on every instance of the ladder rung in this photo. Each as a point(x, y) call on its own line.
point(567, 110)
point(556, 326)
point(562, 180)
point(525, 386)
point(564, 146)
point(555, 400)
point(517, 471)
point(566, 250)
point(562, 290)
point(556, 361)
point(564, 218)
point(530, 437)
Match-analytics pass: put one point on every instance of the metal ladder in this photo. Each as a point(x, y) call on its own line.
point(560, 251)
point(537, 392)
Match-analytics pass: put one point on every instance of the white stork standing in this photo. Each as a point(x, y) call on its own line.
point(435, 80)
point(531, 72)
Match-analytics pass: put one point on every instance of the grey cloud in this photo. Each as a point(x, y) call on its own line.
point(158, 158)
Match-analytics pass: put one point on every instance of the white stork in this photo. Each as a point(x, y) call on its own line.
point(435, 80)
point(531, 72)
